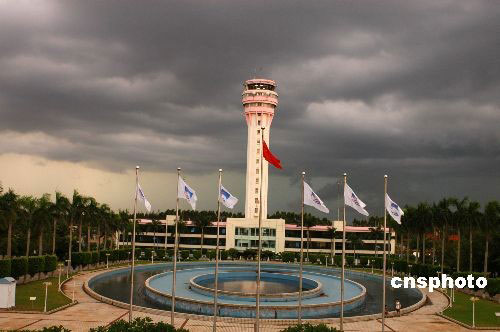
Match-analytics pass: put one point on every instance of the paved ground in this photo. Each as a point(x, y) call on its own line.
point(90, 313)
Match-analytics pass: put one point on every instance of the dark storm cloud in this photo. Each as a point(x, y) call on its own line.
point(405, 88)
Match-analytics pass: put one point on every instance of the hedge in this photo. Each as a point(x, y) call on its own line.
point(50, 263)
point(36, 264)
point(309, 328)
point(5, 268)
point(19, 267)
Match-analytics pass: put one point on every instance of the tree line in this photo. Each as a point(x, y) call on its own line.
point(430, 233)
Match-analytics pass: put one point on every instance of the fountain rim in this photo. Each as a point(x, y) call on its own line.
point(246, 306)
point(126, 305)
point(305, 294)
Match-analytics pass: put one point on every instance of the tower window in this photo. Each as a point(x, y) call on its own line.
point(257, 180)
point(256, 190)
point(256, 210)
point(258, 142)
point(258, 122)
point(258, 131)
point(257, 171)
point(257, 161)
point(258, 150)
point(256, 200)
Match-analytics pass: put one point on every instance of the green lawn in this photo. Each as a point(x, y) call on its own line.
point(485, 311)
point(55, 298)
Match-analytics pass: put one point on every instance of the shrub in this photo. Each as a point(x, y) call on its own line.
point(19, 267)
point(5, 268)
point(138, 325)
point(249, 253)
point(264, 255)
point(338, 260)
point(288, 257)
point(50, 263)
point(95, 257)
point(313, 257)
point(349, 260)
point(196, 254)
point(233, 253)
point(59, 328)
point(309, 328)
point(493, 286)
point(36, 264)
point(211, 254)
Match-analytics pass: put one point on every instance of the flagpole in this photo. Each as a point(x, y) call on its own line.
point(384, 264)
point(217, 254)
point(301, 251)
point(175, 248)
point(343, 265)
point(133, 246)
point(257, 300)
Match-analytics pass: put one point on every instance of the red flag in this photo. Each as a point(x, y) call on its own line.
point(270, 157)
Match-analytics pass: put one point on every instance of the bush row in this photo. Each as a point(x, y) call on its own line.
point(20, 266)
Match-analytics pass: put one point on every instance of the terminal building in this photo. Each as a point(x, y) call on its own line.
point(260, 102)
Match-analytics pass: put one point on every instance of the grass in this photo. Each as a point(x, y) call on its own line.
point(55, 299)
point(485, 311)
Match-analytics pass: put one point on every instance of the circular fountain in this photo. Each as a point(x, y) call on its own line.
point(237, 290)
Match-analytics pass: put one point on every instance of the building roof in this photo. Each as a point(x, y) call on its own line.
point(7, 280)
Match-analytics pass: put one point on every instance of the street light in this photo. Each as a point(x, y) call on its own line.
point(59, 285)
point(128, 258)
point(67, 268)
point(47, 284)
point(107, 261)
point(409, 270)
point(392, 269)
point(474, 299)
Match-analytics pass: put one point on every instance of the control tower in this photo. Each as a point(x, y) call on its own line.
point(259, 104)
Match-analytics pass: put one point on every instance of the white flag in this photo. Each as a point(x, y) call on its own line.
point(140, 194)
point(186, 192)
point(311, 199)
point(393, 209)
point(353, 201)
point(226, 198)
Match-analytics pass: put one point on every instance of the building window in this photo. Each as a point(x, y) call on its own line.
point(257, 161)
point(256, 200)
point(257, 181)
point(256, 190)
point(258, 142)
point(256, 210)
point(258, 150)
point(258, 130)
point(257, 171)
point(258, 122)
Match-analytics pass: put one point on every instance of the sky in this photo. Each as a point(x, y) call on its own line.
point(90, 89)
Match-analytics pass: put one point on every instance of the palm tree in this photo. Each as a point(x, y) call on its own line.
point(423, 221)
point(473, 215)
point(43, 217)
point(28, 206)
point(331, 233)
point(105, 220)
point(60, 211)
point(490, 223)
point(91, 216)
point(309, 221)
point(83, 209)
point(76, 210)
point(9, 209)
point(124, 224)
point(459, 217)
point(444, 215)
point(355, 240)
point(154, 224)
point(408, 222)
point(376, 230)
point(202, 221)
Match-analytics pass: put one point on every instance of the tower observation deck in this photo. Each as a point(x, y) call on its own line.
point(259, 104)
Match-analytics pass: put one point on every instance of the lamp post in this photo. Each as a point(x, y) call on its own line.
point(409, 270)
point(152, 257)
point(47, 284)
point(67, 268)
point(59, 283)
point(107, 261)
point(128, 258)
point(474, 299)
point(392, 269)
